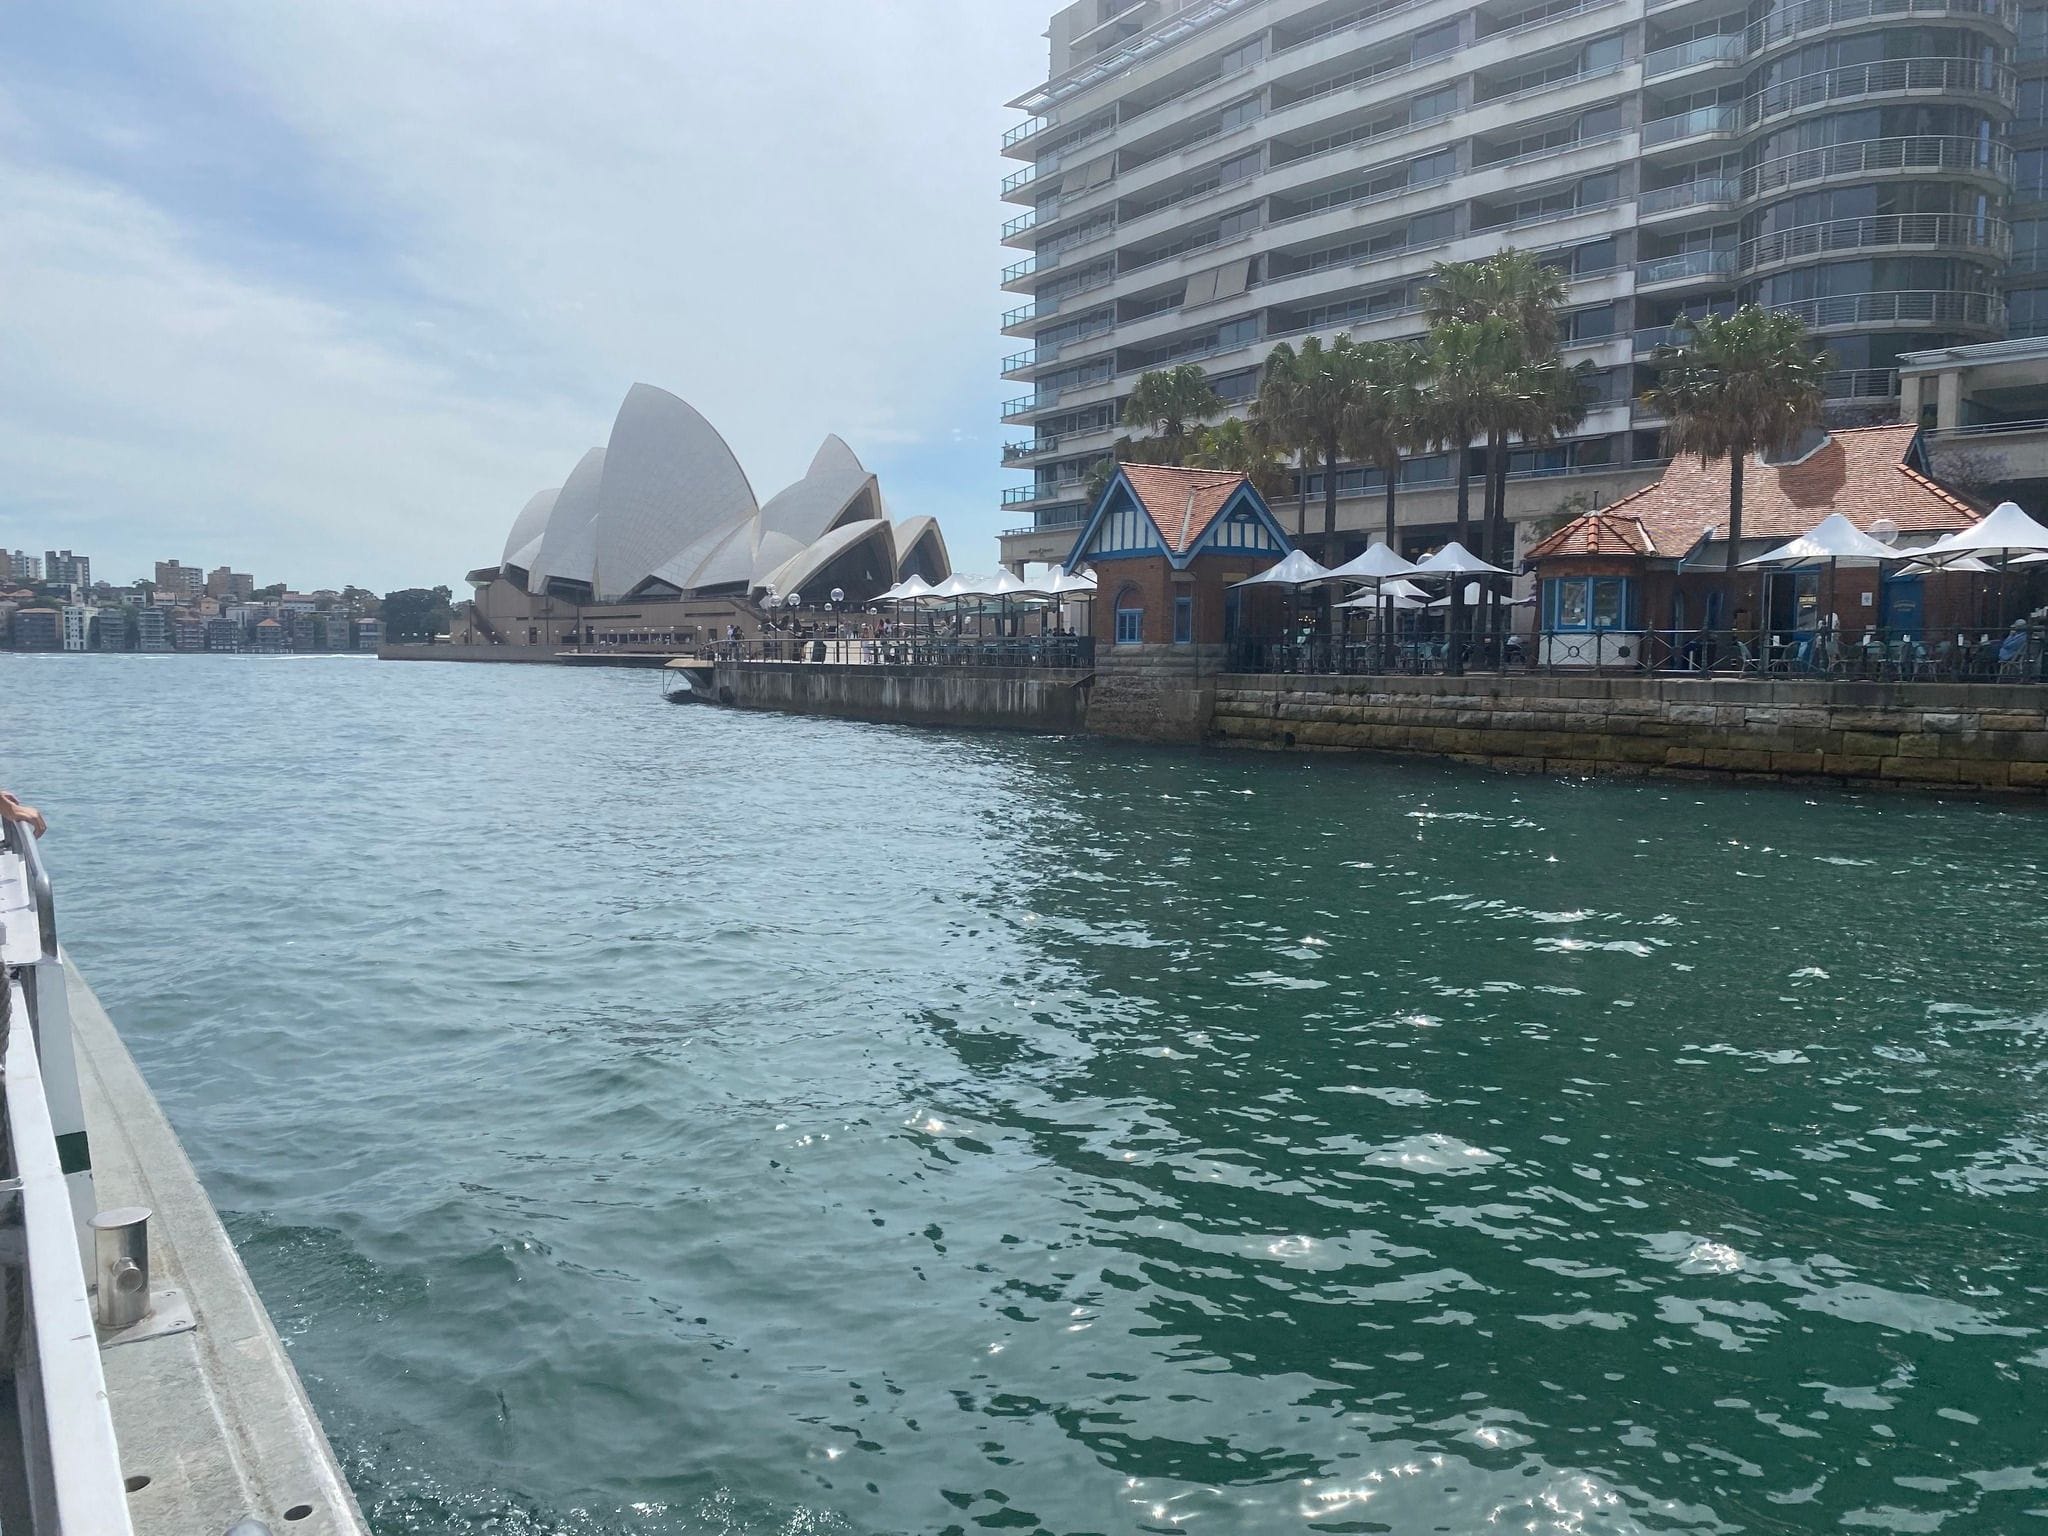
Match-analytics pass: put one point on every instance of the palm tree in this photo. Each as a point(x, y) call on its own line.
point(1384, 420)
point(1242, 447)
point(1167, 401)
point(1510, 285)
point(1322, 384)
point(1277, 410)
point(1735, 385)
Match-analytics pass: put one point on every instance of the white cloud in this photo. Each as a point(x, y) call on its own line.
point(783, 212)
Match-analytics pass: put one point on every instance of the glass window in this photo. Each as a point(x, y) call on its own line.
point(1607, 593)
point(1432, 104)
point(1244, 55)
point(1234, 224)
point(1571, 603)
point(1434, 225)
point(1599, 256)
point(1438, 39)
point(1603, 188)
point(1237, 333)
point(1237, 167)
point(1435, 166)
point(1599, 121)
point(1183, 621)
point(1238, 113)
point(1130, 625)
point(1601, 53)
point(1592, 324)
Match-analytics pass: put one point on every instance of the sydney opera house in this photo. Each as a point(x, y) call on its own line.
point(657, 534)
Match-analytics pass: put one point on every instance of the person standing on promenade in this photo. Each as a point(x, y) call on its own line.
point(12, 809)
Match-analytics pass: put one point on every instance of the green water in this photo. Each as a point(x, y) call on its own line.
point(644, 1119)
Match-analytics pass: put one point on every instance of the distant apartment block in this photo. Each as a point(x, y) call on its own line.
point(78, 626)
point(182, 581)
point(1197, 180)
point(62, 568)
point(230, 586)
point(38, 629)
point(369, 634)
point(23, 566)
point(152, 629)
point(188, 632)
point(110, 628)
point(223, 635)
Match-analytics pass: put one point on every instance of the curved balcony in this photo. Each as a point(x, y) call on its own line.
point(1869, 157)
point(1913, 306)
point(1887, 77)
point(1801, 21)
point(1878, 232)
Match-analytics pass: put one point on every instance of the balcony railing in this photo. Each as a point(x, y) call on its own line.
point(1867, 156)
point(1686, 264)
point(1019, 224)
point(1019, 269)
point(1707, 192)
point(1029, 129)
point(1020, 314)
point(1721, 48)
point(1877, 232)
point(1021, 495)
point(1029, 448)
point(1021, 178)
point(1688, 125)
point(1819, 15)
point(1883, 78)
point(1920, 306)
point(1861, 384)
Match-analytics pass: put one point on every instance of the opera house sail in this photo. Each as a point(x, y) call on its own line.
point(658, 533)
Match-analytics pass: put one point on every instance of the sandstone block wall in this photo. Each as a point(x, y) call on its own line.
point(1153, 692)
point(1973, 736)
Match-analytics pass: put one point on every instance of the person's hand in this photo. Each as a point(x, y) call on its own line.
point(12, 809)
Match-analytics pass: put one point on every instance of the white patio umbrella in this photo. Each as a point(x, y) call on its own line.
point(1063, 582)
point(1454, 559)
point(1377, 564)
point(2007, 531)
point(1004, 584)
point(1400, 602)
point(1297, 570)
point(1833, 538)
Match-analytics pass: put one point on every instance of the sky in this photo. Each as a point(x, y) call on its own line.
point(325, 290)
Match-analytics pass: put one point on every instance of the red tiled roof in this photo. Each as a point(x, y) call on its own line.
point(1597, 533)
point(1182, 503)
point(1860, 472)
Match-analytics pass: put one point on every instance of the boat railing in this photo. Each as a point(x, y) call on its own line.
point(68, 1463)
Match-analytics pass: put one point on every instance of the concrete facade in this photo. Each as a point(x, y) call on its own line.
point(1199, 179)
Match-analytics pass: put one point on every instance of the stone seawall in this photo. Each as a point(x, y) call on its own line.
point(977, 698)
point(527, 655)
point(1154, 692)
point(1914, 734)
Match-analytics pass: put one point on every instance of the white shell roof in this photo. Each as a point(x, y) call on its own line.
point(669, 483)
point(809, 561)
point(568, 547)
point(809, 507)
point(666, 501)
point(910, 532)
point(528, 526)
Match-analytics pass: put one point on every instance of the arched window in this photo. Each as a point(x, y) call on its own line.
point(1130, 616)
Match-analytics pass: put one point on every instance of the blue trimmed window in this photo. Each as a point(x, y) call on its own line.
point(1130, 618)
point(1183, 621)
point(1587, 603)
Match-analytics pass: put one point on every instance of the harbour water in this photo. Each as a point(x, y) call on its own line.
point(642, 1119)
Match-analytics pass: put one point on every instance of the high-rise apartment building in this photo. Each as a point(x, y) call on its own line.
point(1201, 179)
point(234, 586)
point(183, 581)
point(64, 569)
point(23, 566)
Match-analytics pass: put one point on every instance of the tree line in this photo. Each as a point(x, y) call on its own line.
point(1488, 373)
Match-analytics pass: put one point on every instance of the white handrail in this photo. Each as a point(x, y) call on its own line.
point(73, 1464)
